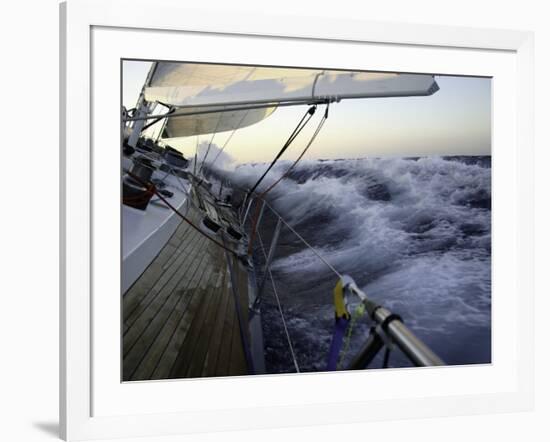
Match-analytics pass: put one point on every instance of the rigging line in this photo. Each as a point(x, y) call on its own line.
point(171, 170)
point(308, 245)
point(265, 192)
point(211, 139)
point(229, 138)
point(288, 142)
point(312, 139)
point(161, 130)
point(148, 125)
point(152, 188)
point(290, 346)
point(195, 162)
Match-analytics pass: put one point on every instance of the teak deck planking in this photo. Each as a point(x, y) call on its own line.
point(179, 318)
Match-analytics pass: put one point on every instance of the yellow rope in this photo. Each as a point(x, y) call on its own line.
point(357, 313)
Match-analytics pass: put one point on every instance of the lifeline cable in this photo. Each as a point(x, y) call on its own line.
point(308, 245)
point(279, 307)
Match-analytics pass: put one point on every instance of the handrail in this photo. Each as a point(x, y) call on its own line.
point(392, 325)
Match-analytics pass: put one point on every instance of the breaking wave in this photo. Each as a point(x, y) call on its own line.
point(414, 233)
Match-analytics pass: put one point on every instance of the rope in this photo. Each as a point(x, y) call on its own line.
point(288, 142)
point(357, 313)
point(195, 162)
point(210, 144)
point(265, 192)
point(148, 125)
point(308, 245)
point(228, 139)
point(301, 238)
point(171, 170)
point(292, 353)
point(177, 212)
point(284, 175)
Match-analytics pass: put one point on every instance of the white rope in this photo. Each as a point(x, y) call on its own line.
point(280, 308)
point(196, 156)
point(210, 144)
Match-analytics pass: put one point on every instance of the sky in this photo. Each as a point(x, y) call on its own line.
point(456, 120)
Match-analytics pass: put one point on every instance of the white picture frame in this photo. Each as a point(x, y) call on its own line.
point(92, 407)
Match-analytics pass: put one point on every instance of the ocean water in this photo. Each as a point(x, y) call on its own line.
point(415, 235)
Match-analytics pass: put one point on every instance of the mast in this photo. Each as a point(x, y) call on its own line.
point(142, 109)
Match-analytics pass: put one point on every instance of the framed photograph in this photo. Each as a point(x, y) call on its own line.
point(274, 221)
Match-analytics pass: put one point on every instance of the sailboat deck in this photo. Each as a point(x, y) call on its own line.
point(180, 317)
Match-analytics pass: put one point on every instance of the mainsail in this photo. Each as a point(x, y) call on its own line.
point(226, 119)
point(197, 87)
point(188, 84)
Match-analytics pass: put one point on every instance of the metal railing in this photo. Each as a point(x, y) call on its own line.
point(389, 329)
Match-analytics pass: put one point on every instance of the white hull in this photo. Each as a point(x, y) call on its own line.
point(144, 233)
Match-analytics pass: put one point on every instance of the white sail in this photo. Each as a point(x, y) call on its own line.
point(189, 84)
point(185, 126)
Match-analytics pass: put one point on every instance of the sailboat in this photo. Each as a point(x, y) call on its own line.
point(191, 296)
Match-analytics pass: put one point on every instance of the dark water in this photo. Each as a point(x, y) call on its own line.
point(414, 233)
